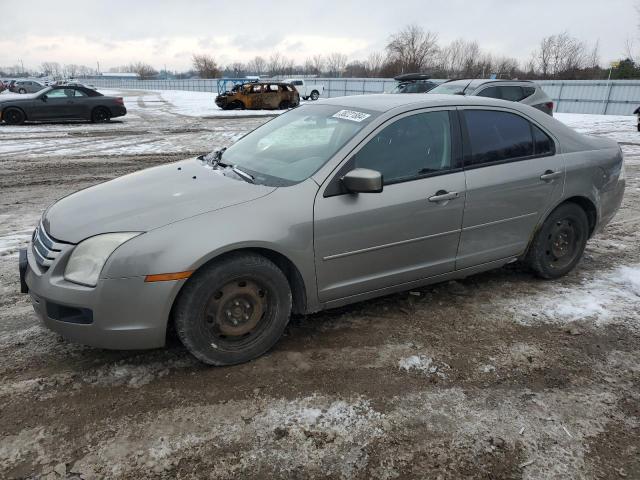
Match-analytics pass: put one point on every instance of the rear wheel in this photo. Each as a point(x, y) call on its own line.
point(237, 105)
point(22, 91)
point(234, 310)
point(100, 115)
point(13, 116)
point(284, 105)
point(315, 95)
point(559, 244)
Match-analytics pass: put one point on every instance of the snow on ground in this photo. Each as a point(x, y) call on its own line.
point(608, 297)
point(202, 104)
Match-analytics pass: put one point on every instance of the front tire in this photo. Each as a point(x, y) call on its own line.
point(100, 115)
point(559, 244)
point(234, 310)
point(315, 95)
point(13, 116)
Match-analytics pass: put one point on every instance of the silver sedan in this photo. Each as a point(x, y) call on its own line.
point(329, 204)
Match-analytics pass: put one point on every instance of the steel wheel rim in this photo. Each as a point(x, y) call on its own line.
point(562, 245)
point(237, 313)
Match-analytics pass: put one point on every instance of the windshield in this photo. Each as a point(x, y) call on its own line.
point(450, 88)
point(292, 147)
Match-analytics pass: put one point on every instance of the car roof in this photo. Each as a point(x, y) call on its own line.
point(385, 102)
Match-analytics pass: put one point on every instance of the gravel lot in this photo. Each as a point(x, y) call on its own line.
point(499, 376)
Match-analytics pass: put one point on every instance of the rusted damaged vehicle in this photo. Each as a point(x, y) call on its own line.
point(260, 96)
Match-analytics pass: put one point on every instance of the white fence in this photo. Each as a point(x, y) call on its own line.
point(617, 97)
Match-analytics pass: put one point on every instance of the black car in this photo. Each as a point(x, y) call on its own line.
point(413, 83)
point(61, 103)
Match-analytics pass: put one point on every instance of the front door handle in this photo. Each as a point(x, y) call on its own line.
point(550, 175)
point(443, 196)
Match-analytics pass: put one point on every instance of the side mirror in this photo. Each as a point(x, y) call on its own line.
point(363, 180)
point(44, 98)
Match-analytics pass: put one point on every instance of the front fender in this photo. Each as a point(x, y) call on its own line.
point(281, 222)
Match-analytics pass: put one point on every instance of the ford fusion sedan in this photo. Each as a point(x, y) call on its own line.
point(522, 91)
point(331, 203)
point(61, 103)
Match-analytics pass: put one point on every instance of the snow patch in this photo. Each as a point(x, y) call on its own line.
point(424, 365)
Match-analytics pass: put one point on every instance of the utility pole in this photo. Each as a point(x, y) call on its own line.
point(22, 63)
point(98, 63)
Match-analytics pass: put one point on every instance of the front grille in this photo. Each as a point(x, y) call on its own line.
point(45, 249)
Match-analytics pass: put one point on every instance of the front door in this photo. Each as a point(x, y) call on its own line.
point(513, 177)
point(409, 231)
point(58, 104)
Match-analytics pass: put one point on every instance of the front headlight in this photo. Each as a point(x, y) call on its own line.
point(90, 255)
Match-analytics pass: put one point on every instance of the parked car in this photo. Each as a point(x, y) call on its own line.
point(331, 203)
point(413, 83)
point(61, 103)
point(26, 86)
point(306, 89)
point(522, 91)
point(259, 96)
point(636, 112)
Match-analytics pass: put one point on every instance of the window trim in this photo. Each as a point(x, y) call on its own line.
point(466, 140)
point(334, 185)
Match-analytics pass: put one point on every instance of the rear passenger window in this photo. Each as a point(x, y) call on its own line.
point(491, 92)
point(543, 145)
point(497, 137)
point(528, 91)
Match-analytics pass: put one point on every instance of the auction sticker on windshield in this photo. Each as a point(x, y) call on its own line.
point(351, 115)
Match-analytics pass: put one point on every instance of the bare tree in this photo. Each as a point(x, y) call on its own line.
point(318, 64)
point(51, 69)
point(275, 64)
point(205, 65)
point(335, 63)
point(561, 55)
point(258, 65)
point(413, 48)
point(143, 70)
point(374, 63)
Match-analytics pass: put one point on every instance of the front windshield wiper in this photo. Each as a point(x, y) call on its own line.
point(244, 175)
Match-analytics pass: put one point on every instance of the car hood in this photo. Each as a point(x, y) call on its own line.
point(148, 199)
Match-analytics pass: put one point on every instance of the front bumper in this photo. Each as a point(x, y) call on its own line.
point(119, 314)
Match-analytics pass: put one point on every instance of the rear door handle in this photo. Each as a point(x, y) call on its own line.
point(550, 175)
point(443, 196)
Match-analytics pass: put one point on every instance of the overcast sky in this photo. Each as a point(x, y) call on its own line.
point(160, 32)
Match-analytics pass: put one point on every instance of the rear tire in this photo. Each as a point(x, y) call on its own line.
point(22, 91)
point(559, 244)
point(234, 310)
point(100, 115)
point(284, 105)
point(13, 116)
point(315, 95)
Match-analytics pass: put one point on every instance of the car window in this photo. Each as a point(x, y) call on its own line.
point(491, 92)
point(293, 146)
point(409, 148)
point(80, 93)
point(256, 88)
point(58, 93)
point(543, 145)
point(497, 136)
point(512, 93)
point(298, 82)
point(528, 91)
point(273, 88)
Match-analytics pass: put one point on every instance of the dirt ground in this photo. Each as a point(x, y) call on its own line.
point(499, 376)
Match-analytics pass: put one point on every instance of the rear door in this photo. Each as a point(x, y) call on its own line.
point(513, 177)
point(409, 231)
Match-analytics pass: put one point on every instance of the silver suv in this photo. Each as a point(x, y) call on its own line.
point(26, 86)
point(522, 91)
point(332, 203)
